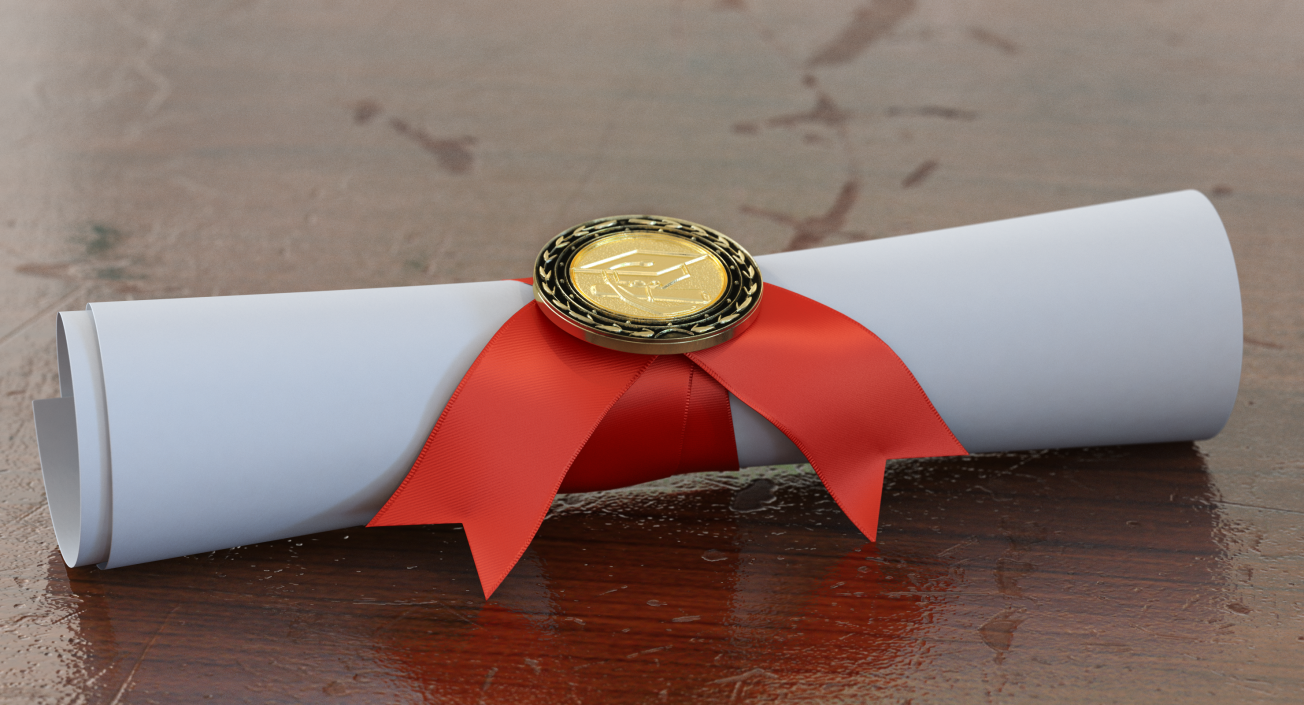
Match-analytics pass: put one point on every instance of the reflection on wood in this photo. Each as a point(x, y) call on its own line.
point(694, 586)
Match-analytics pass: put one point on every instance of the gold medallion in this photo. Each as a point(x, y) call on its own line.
point(647, 284)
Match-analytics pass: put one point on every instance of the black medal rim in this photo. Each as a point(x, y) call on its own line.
point(553, 286)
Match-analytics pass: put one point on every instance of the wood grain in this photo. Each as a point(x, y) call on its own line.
point(158, 149)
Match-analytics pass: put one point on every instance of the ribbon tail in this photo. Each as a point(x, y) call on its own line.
point(507, 437)
point(837, 391)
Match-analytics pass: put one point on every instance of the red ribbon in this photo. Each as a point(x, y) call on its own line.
point(541, 411)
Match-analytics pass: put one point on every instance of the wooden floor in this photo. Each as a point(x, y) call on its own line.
point(156, 149)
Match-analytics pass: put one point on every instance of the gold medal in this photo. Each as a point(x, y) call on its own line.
point(647, 284)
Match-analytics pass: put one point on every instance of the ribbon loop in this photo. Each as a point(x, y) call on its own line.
point(674, 419)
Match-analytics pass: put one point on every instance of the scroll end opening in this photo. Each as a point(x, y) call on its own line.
point(69, 436)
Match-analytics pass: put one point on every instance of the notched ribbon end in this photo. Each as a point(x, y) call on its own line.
point(492, 562)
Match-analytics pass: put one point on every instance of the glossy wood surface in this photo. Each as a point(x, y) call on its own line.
point(160, 149)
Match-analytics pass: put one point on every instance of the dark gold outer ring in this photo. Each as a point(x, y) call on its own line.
point(726, 318)
point(668, 347)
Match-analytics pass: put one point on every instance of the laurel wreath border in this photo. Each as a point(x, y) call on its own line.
point(741, 296)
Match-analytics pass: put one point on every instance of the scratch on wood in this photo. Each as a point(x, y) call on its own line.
point(42, 314)
point(1264, 343)
point(920, 173)
point(1257, 506)
point(454, 155)
point(24, 516)
point(741, 677)
point(1007, 574)
point(153, 38)
point(648, 651)
point(140, 659)
point(993, 40)
point(826, 112)
point(364, 110)
point(52, 270)
point(868, 24)
point(811, 231)
point(457, 614)
point(963, 544)
point(998, 633)
point(937, 111)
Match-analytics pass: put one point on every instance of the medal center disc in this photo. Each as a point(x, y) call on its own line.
point(648, 276)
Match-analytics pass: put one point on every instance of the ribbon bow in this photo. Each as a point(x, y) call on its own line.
point(541, 411)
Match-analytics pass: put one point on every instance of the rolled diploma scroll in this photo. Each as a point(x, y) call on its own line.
point(191, 425)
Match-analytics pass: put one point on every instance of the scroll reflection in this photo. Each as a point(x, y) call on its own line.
point(705, 588)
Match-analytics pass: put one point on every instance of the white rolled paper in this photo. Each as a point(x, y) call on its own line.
point(191, 425)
